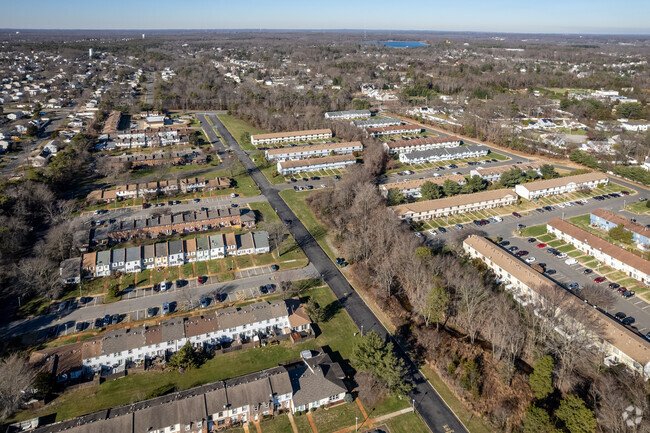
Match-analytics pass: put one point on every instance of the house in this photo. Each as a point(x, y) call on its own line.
point(70, 271)
point(230, 243)
point(261, 241)
point(606, 253)
point(127, 191)
point(442, 207)
point(348, 114)
point(493, 174)
point(176, 253)
point(444, 154)
point(561, 185)
point(317, 382)
point(291, 136)
point(312, 151)
point(217, 247)
point(193, 184)
point(148, 257)
point(615, 341)
point(315, 164)
point(118, 260)
point(203, 248)
point(394, 130)
point(421, 144)
point(103, 266)
point(89, 264)
point(190, 250)
point(155, 121)
point(634, 125)
point(376, 122)
point(63, 362)
point(161, 255)
point(133, 261)
point(411, 187)
point(245, 244)
point(607, 220)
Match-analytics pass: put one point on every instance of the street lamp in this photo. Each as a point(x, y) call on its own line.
point(356, 418)
point(362, 330)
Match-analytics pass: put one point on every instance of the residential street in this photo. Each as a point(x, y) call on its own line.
point(428, 403)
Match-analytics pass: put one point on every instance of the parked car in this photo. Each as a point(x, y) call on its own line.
point(573, 286)
point(99, 322)
point(202, 279)
point(205, 302)
point(531, 240)
point(107, 320)
point(165, 308)
point(115, 318)
point(459, 226)
point(620, 315)
point(599, 279)
point(432, 232)
point(521, 253)
point(513, 248)
point(150, 312)
point(504, 243)
point(163, 286)
point(530, 259)
point(571, 261)
point(628, 320)
point(442, 230)
point(80, 326)
point(515, 214)
point(628, 293)
point(541, 245)
point(275, 268)
point(621, 290)
point(587, 271)
point(614, 285)
point(562, 255)
point(551, 271)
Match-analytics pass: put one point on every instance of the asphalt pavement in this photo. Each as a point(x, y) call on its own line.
point(435, 412)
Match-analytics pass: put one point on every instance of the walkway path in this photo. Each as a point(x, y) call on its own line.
point(293, 423)
point(375, 421)
point(311, 422)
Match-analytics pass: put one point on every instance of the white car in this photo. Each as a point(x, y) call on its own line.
point(323, 185)
point(163, 286)
point(530, 259)
point(562, 256)
point(418, 234)
point(436, 174)
point(433, 232)
point(561, 205)
point(498, 219)
point(571, 261)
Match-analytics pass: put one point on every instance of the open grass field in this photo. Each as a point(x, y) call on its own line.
point(237, 128)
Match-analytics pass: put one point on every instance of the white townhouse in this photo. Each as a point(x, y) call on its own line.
point(606, 253)
point(394, 130)
point(422, 143)
point(493, 174)
point(426, 210)
point(290, 137)
point(127, 191)
point(217, 247)
point(445, 154)
point(148, 257)
point(315, 164)
point(615, 342)
point(376, 122)
point(261, 241)
point(412, 187)
point(103, 265)
point(313, 151)
point(133, 259)
point(176, 253)
point(348, 114)
point(561, 185)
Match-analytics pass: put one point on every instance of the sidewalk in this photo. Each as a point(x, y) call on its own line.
point(369, 423)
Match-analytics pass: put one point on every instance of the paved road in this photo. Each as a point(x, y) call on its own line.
point(428, 403)
point(193, 292)
point(151, 80)
point(566, 274)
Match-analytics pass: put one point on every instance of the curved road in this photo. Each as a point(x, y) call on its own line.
point(428, 403)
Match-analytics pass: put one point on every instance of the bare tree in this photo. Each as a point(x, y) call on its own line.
point(598, 296)
point(276, 234)
point(16, 377)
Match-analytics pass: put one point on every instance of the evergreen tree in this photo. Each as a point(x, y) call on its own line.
point(185, 358)
point(314, 311)
point(449, 187)
point(548, 171)
point(575, 415)
point(512, 177)
point(541, 382)
point(395, 197)
point(619, 233)
point(537, 420)
point(430, 191)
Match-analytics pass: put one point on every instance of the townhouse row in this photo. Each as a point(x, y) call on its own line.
point(313, 151)
point(313, 381)
point(493, 174)
point(291, 136)
point(135, 190)
point(606, 253)
point(172, 253)
point(561, 185)
point(421, 144)
point(376, 122)
point(412, 187)
point(607, 220)
point(136, 160)
point(348, 114)
point(617, 343)
point(444, 154)
point(290, 167)
point(394, 130)
point(462, 203)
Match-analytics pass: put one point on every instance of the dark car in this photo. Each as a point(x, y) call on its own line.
point(505, 243)
point(80, 326)
point(548, 208)
point(99, 322)
point(202, 279)
point(531, 240)
point(275, 268)
point(115, 318)
point(620, 315)
point(477, 222)
point(315, 178)
point(442, 230)
point(205, 302)
point(107, 320)
point(540, 210)
point(628, 293)
point(263, 290)
point(270, 288)
point(628, 320)
point(515, 214)
point(513, 248)
point(337, 177)
point(625, 192)
point(614, 285)
point(587, 271)
point(551, 271)
point(293, 180)
point(150, 312)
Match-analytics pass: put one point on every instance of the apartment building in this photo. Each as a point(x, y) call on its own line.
point(607, 220)
point(603, 251)
point(426, 210)
point(173, 253)
point(376, 122)
point(315, 164)
point(493, 174)
point(561, 185)
point(394, 130)
point(617, 343)
point(348, 114)
point(411, 187)
point(135, 345)
point(444, 154)
point(291, 136)
point(420, 144)
point(315, 380)
point(313, 151)
point(163, 187)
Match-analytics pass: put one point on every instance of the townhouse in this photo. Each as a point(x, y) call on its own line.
point(561, 185)
point(616, 342)
point(444, 154)
point(348, 114)
point(314, 380)
point(426, 210)
point(493, 174)
point(420, 144)
point(394, 130)
point(313, 151)
point(181, 222)
point(151, 138)
point(606, 253)
point(70, 271)
point(291, 136)
point(162, 187)
point(226, 325)
point(315, 164)
point(172, 253)
point(607, 220)
point(376, 122)
point(411, 187)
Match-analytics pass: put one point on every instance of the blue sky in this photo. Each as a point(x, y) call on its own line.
point(551, 16)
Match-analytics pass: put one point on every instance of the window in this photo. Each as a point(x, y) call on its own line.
point(333, 398)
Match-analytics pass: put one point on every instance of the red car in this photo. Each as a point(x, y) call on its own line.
point(542, 245)
point(599, 279)
point(202, 279)
point(516, 215)
point(621, 289)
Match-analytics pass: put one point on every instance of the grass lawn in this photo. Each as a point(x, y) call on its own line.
point(388, 405)
point(337, 333)
point(302, 424)
point(214, 266)
point(244, 262)
point(263, 259)
point(173, 273)
point(409, 423)
point(228, 276)
point(546, 238)
point(187, 270)
point(534, 231)
point(575, 254)
point(566, 248)
point(33, 307)
point(264, 213)
point(555, 243)
point(639, 208)
point(279, 424)
point(581, 220)
point(127, 280)
point(157, 276)
point(237, 127)
point(201, 268)
point(296, 201)
point(336, 418)
point(228, 263)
